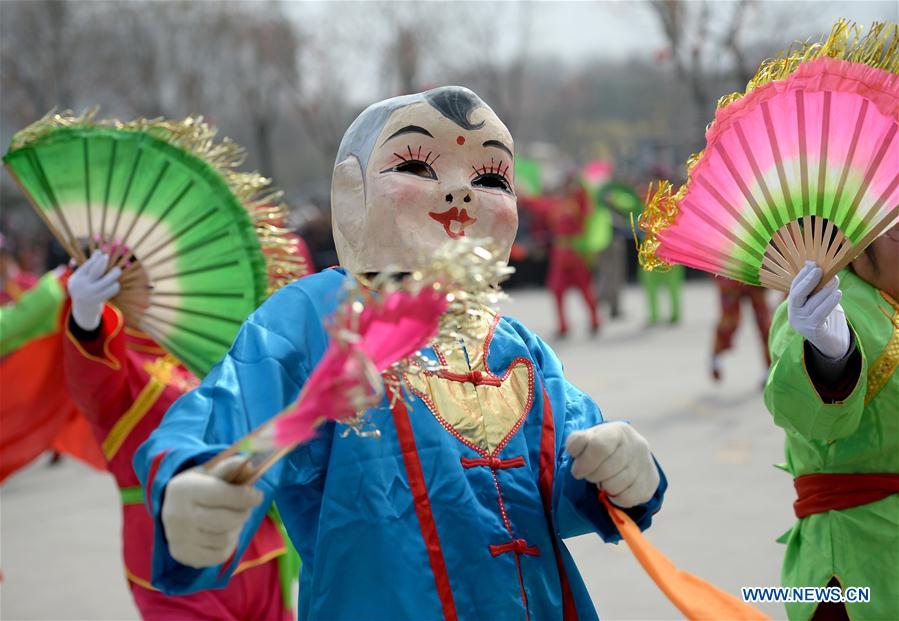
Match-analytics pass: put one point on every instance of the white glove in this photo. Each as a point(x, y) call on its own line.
point(616, 458)
point(202, 516)
point(819, 318)
point(89, 289)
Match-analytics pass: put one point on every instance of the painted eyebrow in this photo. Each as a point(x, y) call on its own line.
point(498, 145)
point(408, 129)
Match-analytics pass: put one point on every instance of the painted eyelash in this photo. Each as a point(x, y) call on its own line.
point(494, 168)
point(416, 156)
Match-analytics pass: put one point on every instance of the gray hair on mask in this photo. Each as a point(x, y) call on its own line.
point(454, 102)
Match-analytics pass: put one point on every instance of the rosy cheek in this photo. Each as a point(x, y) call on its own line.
point(501, 207)
point(406, 190)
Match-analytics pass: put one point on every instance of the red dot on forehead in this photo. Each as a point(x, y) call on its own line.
point(460, 140)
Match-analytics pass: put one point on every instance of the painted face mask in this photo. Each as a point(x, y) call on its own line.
point(416, 171)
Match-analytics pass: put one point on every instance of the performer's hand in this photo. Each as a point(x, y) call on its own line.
point(617, 459)
point(89, 287)
point(202, 516)
point(819, 318)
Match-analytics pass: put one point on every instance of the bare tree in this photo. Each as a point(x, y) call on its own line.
point(499, 75)
point(413, 45)
point(405, 55)
point(324, 112)
point(260, 66)
point(41, 64)
point(321, 102)
point(693, 51)
point(715, 47)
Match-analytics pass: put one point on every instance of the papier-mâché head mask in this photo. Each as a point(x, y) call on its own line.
point(415, 171)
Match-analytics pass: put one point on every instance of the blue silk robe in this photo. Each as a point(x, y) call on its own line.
point(458, 510)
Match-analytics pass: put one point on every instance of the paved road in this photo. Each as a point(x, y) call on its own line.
point(725, 507)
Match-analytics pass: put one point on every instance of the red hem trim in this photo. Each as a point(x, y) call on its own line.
point(224, 568)
point(546, 480)
point(524, 595)
point(111, 323)
point(419, 491)
point(151, 478)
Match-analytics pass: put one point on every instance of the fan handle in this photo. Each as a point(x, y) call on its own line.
point(252, 468)
point(851, 252)
point(825, 244)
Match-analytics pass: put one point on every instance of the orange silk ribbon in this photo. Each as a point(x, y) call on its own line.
point(694, 597)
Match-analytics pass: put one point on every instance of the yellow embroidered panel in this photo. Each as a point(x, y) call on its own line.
point(880, 372)
point(130, 419)
point(479, 408)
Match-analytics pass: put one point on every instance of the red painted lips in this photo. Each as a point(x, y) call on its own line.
point(454, 221)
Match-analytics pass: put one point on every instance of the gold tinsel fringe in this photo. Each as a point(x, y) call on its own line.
point(661, 209)
point(467, 272)
point(262, 202)
point(879, 49)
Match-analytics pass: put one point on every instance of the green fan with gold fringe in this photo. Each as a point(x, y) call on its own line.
point(193, 236)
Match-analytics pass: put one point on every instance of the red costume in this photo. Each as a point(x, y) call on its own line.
point(567, 267)
point(36, 412)
point(124, 383)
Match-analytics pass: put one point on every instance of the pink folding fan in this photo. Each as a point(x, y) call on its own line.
point(376, 335)
point(803, 166)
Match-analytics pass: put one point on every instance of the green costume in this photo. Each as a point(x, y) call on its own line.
point(860, 434)
point(653, 281)
point(33, 316)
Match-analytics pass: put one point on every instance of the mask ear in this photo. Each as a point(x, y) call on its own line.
point(348, 211)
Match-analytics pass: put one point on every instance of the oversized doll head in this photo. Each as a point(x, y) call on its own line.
point(415, 171)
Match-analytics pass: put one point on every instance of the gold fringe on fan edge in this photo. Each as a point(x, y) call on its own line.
point(660, 213)
point(879, 49)
point(263, 203)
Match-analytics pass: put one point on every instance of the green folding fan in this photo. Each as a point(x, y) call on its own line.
point(198, 242)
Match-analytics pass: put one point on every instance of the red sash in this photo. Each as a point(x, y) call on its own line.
point(832, 492)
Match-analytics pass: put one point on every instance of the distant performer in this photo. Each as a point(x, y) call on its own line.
point(731, 294)
point(569, 267)
point(14, 281)
point(673, 281)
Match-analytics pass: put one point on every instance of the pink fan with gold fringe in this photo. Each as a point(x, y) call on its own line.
point(376, 335)
point(366, 342)
point(349, 372)
point(804, 166)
